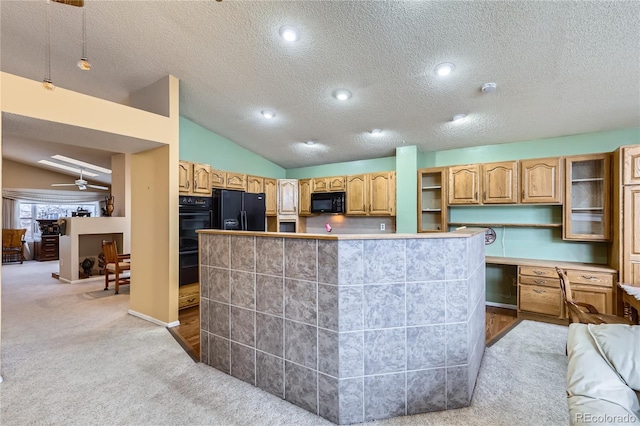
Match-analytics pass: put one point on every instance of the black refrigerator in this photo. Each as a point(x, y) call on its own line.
point(238, 210)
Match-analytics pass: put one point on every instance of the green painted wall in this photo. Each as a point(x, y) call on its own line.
point(406, 189)
point(199, 145)
point(347, 168)
point(566, 145)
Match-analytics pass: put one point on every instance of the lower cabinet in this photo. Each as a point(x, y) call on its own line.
point(540, 295)
point(189, 296)
point(46, 248)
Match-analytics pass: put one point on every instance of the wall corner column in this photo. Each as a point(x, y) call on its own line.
point(406, 189)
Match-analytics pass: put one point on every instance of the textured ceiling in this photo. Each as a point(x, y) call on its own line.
point(561, 68)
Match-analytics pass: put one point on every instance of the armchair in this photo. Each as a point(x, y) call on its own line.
point(13, 245)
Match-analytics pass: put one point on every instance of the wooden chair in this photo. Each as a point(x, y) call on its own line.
point(13, 245)
point(582, 312)
point(115, 264)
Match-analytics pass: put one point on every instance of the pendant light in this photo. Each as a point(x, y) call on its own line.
point(47, 83)
point(83, 63)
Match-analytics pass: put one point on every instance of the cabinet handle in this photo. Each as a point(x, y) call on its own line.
point(369, 206)
point(538, 272)
point(589, 277)
point(195, 184)
point(484, 195)
point(537, 290)
point(476, 196)
point(523, 194)
point(187, 184)
point(540, 281)
point(364, 209)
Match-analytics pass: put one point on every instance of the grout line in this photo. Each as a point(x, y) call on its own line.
point(317, 338)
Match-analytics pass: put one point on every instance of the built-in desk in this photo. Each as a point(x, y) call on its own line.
point(540, 297)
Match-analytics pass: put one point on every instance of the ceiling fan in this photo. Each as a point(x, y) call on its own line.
point(81, 184)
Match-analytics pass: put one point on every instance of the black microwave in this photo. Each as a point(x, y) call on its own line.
point(327, 202)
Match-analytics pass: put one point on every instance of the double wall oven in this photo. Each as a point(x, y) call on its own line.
point(194, 214)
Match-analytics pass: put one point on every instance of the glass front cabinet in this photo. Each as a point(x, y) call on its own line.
point(587, 204)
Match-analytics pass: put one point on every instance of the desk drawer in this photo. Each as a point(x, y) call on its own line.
point(540, 300)
point(536, 271)
point(189, 295)
point(592, 278)
point(545, 282)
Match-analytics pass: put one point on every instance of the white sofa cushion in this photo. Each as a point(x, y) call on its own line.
point(619, 344)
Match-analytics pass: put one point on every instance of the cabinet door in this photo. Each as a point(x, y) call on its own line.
point(381, 194)
point(356, 195)
point(287, 196)
point(304, 197)
point(541, 181)
point(320, 184)
point(500, 183)
point(464, 185)
point(631, 240)
point(432, 206)
point(185, 174)
point(236, 181)
point(270, 187)
point(600, 297)
point(631, 165)
point(218, 178)
point(202, 179)
point(255, 184)
point(337, 183)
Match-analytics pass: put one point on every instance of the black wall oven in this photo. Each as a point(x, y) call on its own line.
point(194, 214)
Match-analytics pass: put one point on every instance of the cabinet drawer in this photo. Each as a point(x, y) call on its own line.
point(536, 271)
point(593, 278)
point(187, 302)
point(542, 281)
point(540, 300)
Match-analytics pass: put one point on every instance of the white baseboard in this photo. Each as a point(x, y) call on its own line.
point(501, 305)
point(153, 320)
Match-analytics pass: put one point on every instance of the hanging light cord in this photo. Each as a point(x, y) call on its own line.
point(48, 51)
point(84, 33)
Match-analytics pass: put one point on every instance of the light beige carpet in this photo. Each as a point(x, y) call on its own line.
point(71, 355)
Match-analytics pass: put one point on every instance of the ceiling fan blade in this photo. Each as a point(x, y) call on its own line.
point(77, 3)
point(98, 187)
point(63, 184)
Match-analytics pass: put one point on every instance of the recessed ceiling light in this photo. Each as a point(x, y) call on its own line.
point(310, 143)
point(68, 168)
point(458, 117)
point(445, 69)
point(289, 33)
point(342, 94)
point(82, 164)
point(376, 131)
point(268, 114)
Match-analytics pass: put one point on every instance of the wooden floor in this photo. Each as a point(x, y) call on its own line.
point(498, 323)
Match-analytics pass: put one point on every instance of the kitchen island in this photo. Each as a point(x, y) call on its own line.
point(350, 327)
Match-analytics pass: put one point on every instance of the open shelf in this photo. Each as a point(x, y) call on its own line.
point(509, 225)
point(431, 210)
point(432, 187)
point(595, 179)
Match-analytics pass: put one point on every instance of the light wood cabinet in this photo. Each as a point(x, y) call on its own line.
point(631, 239)
point(236, 181)
point(270, 189)
point(539, 293)
point(255, 184)
point(185, 175)
point(356, 195)
point(218, 178)
point(287, 196)
point(329, 184)
point(464, 184)
point(201, 179)
point(382, 194)
point(541, 181)
point(631, 167)
point(500, 183)
point(189, 295)
point(587, 204)
point(600, 297)
point(304, 197)
point(432, 195)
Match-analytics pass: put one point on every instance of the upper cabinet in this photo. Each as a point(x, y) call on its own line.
point(255, 184)
point(371, 194)
point(270, 189)
point(202, 179)
point(432, 205)
point(194, 178)
point(236, 181)
point(500, 183)
point(587, 205)
point(329, 184)
point(464, 184)
point(287, 196)
point(631, 166)
point(304, 197)
point(185, 176)
point(218, 179)
point(541, 181)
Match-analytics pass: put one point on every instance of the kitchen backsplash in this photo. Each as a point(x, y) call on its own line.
point(341, 224)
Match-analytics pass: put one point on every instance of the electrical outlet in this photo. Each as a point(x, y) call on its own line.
point(382, 227)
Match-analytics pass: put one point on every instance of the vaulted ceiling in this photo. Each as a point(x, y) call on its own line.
point(561, 68)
